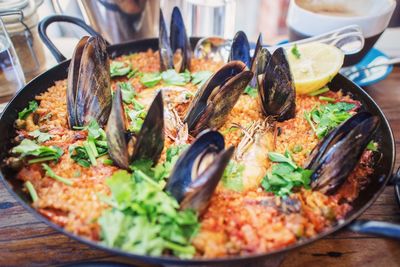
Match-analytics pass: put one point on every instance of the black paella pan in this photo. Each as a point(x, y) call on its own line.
point(382, 170)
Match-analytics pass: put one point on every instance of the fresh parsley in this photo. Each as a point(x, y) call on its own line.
point(232, 177)
point(40, 136)
point(94, 147)
point(128, 92)
point(52, 174)
point(28, 148)
point(146, 220)
point(200, 77)
point(171, 77)
point(119, 68)
point(373, 146)
point(251, 91)
point(285, 175)
point(295, 51)
point(327, 117)
point(32, 107)
point(150, 79)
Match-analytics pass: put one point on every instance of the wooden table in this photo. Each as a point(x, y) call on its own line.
point(26, 241)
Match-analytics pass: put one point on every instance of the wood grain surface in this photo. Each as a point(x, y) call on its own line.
point(24, 241)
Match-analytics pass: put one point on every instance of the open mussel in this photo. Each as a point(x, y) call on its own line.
point(88, 87)
point(125, 147)
point(337, 155)
point(198, 170)
point(275, 85)
point(175, 51)
point(216, 98)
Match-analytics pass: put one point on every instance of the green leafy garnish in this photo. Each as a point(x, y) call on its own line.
point(319, 91)
point(137, 117)
point(295, 52)
point(327, 117)
point(32, 106)
point(146, 220)
point(132, 73)
point(118, 68)
point(200, 77)
point(94, 147)
point(171, 77)
point(150, 79)
point(285, 175)
point(232, 178)
point(40, 136)
point(52, 174)
point(325, 98)
point(251, 91)
point(373, 146)
point(128, 92)
point(40, 153)
point(32, 191)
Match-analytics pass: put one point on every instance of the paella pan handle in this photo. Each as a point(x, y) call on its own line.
point(386, 229)
point(60, 18)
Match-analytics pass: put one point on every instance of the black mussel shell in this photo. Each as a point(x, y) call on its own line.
point(341, 151)
point(88, 87)
point(216, 98)
point(276, 88)
point(191, 185)
point(240, 49)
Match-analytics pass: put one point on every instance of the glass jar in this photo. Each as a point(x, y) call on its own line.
point(20, 20)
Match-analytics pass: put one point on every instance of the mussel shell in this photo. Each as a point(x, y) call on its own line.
point(116, 132)
point(209, 108)
point(240, 49)
point(179, 40)
point(278, 94)
point(195, 192)
point(254, 60)
point(89, 81)
point(150, 139)
point(166, 59)
point(343, 153)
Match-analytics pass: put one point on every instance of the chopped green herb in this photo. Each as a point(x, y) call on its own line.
point(150, 79)
point(327, 117)
point(319, 91)
point(297, 149)
point(118, 68)
point(251, 91)
point(40, 136)
point(137, 117)
point(133, 73)
point(41, 153)
point(329, 99)
point(128, 92)
point(232, 178)
point(285, 175)
point(52, 174)
point(295, 52)
point(373, 146)
point(32, 192)
point(200, 77)
point(32, 106)
point(146, 220)
point(171, 77)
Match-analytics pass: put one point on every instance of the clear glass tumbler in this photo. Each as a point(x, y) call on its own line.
point(11, 75)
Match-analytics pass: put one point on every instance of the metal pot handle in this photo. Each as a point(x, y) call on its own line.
point(60, 18)
point(386, 229)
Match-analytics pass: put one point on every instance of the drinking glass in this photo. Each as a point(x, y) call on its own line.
point(11, 75)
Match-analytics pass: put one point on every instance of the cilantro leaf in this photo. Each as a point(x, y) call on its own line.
point(295, 51)
point(40, 136)
point(118, 68)
point(251, 91)
point(32, 106)
point(41, 153)
point(150, 79)
point(277, 157)
point(200, 77)
point(171, 77)
point(373, 146)
point(232, 177)
point(128, 92)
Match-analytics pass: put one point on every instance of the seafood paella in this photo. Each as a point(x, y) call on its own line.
point(161, 153)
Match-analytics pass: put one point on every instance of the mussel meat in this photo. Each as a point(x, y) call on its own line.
point(88, 87)
point(175, 51)
point(276, 86)
point(336, 156)
point(216, 98)
point(125, 147)
point(198, 170)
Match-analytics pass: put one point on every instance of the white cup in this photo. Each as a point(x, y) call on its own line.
point(312, 17)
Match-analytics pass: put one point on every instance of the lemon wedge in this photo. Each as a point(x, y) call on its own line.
point(314, 65)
